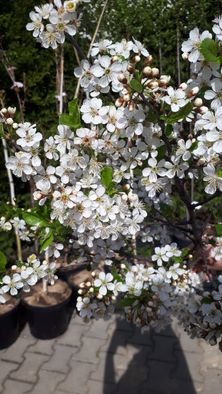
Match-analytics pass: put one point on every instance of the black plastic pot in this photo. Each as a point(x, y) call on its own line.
point(9, 327)
point(65, 272)
point(47, 322)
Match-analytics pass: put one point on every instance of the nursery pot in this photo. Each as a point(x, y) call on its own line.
point(48, 314)
point(9, 321)
point(65, 272)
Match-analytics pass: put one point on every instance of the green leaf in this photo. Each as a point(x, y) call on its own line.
point(106, 175)
point(161, 152)
point(209, 49)
point(136, 86)
point(179, 115)
point(151, 117)
point(126, 302)
point(46, 241)
point(34, 220)
point(3, 261)
point(218, 228)
point(206, 300)
point(169, 130)
point(73, 118)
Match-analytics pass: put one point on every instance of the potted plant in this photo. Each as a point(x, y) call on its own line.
point(134, 164)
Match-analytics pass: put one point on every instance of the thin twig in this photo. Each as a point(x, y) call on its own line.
point(12, 197)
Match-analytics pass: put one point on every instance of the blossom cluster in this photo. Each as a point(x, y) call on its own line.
point(51, 22)
point(26, 276)
point(25, 234)
point(150, 296)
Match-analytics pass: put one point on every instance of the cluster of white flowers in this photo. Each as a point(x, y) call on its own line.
point(50, 22)
point(25, 233)
point(150, 296)
point(25, 276)
point(201, 316)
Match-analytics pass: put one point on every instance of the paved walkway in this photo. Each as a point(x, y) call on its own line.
point(110, 357)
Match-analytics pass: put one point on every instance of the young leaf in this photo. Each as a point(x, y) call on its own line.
point(209, 48)
point(46, 241)
point(34, 220)
point(179, 115)
point(106, 176)
point(73, 118)
point(136, 86)
point(126, 302)
point(3, 261)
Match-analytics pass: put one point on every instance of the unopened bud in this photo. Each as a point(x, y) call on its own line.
point(14, 267)
point(88, 284)
point(153, 85)
point(9, 121)
point(155, 72)
point(4, 111)
point(198, 102)
point(114, 58)
point(194, 90)
point(126, 187)
point(122, 78)
point(131, 105)
point(131, 69)
point(99, 296)
point(80, 292)
point(122, 266)
point(185, 56)
point(148, 59)
point(203, 109)
point(119, 102)
point(183, 86)
point(82, 285)
point(15, 125)
point(11, 110)
point(93, 274)
point(147, 71)
point(137, 58)
point(126, 97)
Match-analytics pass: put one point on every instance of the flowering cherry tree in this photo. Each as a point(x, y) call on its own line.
point(128, 178)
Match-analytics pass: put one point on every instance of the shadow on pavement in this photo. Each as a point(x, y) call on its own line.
point(156, 363)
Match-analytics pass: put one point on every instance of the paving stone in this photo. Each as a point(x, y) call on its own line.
point(213, 381)
point(5, 369)
point(77, 378)
point(28, 371)
point(43, 347)
point(99, 329)
point(60, 359)
point(117, 342)
point(89, 350)
point(47, 382)
point(141, 339)
point(159, 376)
point(188, 344)
point(105, 369)
point(94, 387)
point(72, 337)
point(163, 348)
point(13, 386)
point(16, 351)
point(188, 366)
